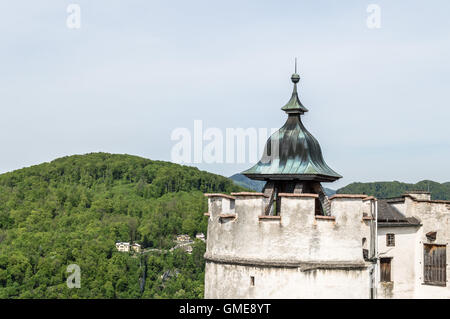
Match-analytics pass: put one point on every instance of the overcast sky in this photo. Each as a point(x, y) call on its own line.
point(136, 70)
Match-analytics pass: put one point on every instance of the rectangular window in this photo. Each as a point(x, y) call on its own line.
point(434, 264)
point(385, 269)
point(390, 240)
point(252, 281)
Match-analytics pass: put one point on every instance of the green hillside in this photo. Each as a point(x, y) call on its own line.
point(395, 189)
point(74, 209)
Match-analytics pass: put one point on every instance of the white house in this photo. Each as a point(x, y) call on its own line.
point(123, 247)
point(200, 236)
point(413, 236)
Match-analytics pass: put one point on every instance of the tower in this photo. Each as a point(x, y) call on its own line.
point(291, 240)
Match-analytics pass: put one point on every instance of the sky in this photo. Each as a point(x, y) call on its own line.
point(136, 70)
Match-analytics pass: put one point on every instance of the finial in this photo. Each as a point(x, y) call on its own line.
point(294, 105)
point(295, 78)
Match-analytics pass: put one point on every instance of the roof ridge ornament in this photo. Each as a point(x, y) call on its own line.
point(294, 105)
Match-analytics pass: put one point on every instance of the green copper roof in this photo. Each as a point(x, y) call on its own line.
point(299, 154)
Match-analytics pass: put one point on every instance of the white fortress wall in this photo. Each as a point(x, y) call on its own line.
point(294, 255)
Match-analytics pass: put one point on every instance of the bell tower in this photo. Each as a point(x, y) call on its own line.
point(291, 241)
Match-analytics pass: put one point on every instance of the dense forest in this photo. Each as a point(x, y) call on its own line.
point(74, 209)
point(395, 189)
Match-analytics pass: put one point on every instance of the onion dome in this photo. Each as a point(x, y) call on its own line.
point(292, 153)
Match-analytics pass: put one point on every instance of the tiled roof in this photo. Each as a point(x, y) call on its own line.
point(388, 215)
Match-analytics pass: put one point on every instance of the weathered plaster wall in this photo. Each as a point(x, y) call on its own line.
point(297, 236)
point(403, 256)
point(278, 250)
point(302, 256)
point(434, 216)
point(407, 264)
point(233, 281)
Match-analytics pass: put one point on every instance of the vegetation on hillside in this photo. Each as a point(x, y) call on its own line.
point(395, 189)
point(74, 209)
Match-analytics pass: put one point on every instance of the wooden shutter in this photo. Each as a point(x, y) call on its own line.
point(435, 264)
point(385, 269)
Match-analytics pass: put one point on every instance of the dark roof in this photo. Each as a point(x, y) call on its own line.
point(388, 215)
point(297, 156)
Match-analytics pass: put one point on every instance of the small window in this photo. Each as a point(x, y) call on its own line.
point(390, 240)
point(385, 269)
point(434, 264)
point(252, 281)
point(365, 250)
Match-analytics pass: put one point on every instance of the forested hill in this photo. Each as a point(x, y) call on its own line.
point(74, 209)
point(395, 189)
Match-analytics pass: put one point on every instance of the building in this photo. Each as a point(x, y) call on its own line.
point(292, 241)
point(183, 238)
point(126, 247)
point(123, 247)
point(413, 236)
point(136, 247)
point(200, 236)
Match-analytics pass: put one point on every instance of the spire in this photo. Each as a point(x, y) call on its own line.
point(294, 105)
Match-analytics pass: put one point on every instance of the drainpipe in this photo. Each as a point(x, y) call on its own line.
point(376, 250)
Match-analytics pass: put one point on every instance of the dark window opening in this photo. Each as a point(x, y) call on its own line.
point(431, 235)
point(385, 269)
point(366, 254)
point(365, 250)
point(434, 264)
point(390, 240)
point(252, 281)
point(318, 208)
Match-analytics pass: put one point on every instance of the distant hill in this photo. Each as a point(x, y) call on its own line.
point(377, 189)
point(395, 189)
point(258, 186)
point(74, 209)
point(246, 182)
point(329, 191)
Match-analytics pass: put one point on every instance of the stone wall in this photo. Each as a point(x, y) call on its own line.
point(295, 253)
point(235, 281)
